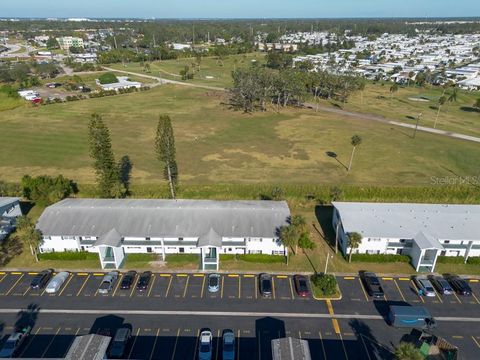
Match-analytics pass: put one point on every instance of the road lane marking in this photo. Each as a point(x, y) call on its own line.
point(168, 287)
point(416, 291)
point(118, 285)
point(273, 288)
point(133, 344)
point(282, 276)
point(65, 286)
point(365, 347)
point(349, 277)
point(476, 341)
point(151, 286)
point(154, 344)
point(182, 275)
point(50, 343)
point(218, 344)
point(456, 297)
point(387, 278)
point(83, 285)
point(239, 287)
point(291, 288)
point(196, 344)
point(198, 275)
point(134, 284)
point(238, 344)
point(478, 302)
point(82, 274)
point(343, 345)
point(186, 287)
point(165, 275)
point(438, 296)
point(176, 342)
point(249, 275)
point(400, 291)
point(403, 279)
point(256, 287)
point(221, 290)
point(29, 339)
point(2, 273)
point(98, 274)
point(33, 273)
point(26, 291)
point(232, 275)
point(17, 273)
point(457, 336)
point(336, 327)
point(16, 282)
point(323, 346)
point(3, 277)
point(363, 289)
point(203, 287)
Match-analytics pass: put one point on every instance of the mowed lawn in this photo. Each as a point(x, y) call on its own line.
point(408, 102)
point(212, 71)
point(218, 145)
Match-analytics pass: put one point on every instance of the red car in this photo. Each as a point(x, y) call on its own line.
point(301, 285)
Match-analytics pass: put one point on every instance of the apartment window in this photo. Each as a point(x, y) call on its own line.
point(47, 238)
point(277, 252)
point(446, 242)
point(254, 251)
point(181, 250)
point(147, 238)
point(180, 239)
point(260, 239)
point(229, 249)
point(68, 237)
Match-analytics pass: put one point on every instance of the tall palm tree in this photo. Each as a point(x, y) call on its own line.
point(356, 140)
point(407, 351)
point(299, 224)
point(393, 89)
point(441, 101)
point(288, 236)
point(452, 98)
point(354, 241)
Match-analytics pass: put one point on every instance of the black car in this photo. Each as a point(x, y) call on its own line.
point(128, 279)
point(459, 285)
point(441, 285)
point(120, 343)
point(144, 280)
point(372, 284)
point(266, 285)
point(41, 279)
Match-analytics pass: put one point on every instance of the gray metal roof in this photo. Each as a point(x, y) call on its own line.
point(6, 203)
point(290, 349)
point(425, 241)
point(163, 218)
point(88, 347)
point(211, 238)
point(405, 221)
point(111, 238)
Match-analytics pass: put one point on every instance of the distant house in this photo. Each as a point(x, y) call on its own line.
point(66, 42)
point(113, 228)
point(9, 211)
point(123, 83)
point(176, 46)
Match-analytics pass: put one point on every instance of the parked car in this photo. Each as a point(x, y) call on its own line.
point(205, 345)
point(14, 342)
point(41, 279)
point(424, 286)
point(266, 285)
point(57, 281)
point(372, 284)
point(459, 285)
point(228, 345)
point(441, 285)
point(144, 280)
point(213, 283)
point(128, 279)
point(108, 282)
point(301, 285)
point(120, 343)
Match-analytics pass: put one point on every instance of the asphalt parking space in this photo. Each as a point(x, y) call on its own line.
point(9, 281)
point(248, 286)
point(178, 286)
point(22, 285)
point(142, 343)
point(392, 290)
point(161, 285)
point(284, 287)
point(409, 291)
point(91, 285)
point(231, 286)
point(74, 284)
point(246, 344)
point(196, 286)
point(352, 289)
point(185, 345)
point(164, 344)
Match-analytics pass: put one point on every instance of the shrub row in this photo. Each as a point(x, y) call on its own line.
point(142, 257)
point(450, 260)
point(380, 258)
point(182, 258)
point(474, 260)
point(68, 255)
point(262, 258)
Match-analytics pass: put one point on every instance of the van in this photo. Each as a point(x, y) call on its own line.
point(410, 317)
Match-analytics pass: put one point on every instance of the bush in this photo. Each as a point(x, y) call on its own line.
point(262, 258)
point(142, 257)
point(107, 78)
point(450, 260)
point(380, 258)
point(69, 256)
point(474, 260)
point(324, 284)
point(46, 190)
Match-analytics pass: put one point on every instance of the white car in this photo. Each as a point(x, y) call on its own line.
point(57, 281)
point(205, 346)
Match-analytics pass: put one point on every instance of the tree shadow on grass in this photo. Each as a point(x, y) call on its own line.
point(334, 155)
point(470, 109)
point(324, 215)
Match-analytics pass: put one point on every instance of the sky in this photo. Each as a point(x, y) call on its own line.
point(239, 8)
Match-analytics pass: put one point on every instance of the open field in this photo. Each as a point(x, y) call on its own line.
point(457, 116)
point(217, 145)
point(212, 71)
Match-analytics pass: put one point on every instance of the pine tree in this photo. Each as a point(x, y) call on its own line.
point(106, 168)
point(165, 148)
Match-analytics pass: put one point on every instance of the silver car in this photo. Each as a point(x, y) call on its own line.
point(424, 286)
point(228, 345)
point(56, 283)
point(213, 283)
point(108, 282)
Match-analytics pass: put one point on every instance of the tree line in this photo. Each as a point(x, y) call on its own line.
point(256, 87)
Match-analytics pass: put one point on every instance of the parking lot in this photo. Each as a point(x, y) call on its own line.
point(330, 337)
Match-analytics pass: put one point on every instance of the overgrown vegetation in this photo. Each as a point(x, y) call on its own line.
point(45, 190)
point(107, 78)
point(324, 285)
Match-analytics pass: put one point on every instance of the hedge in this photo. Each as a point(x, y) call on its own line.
point(380, 258)
point(450, 260)
point(474, 260)
point(69, 255)
point(262, 258)
point(182, 258)
point(142, 257)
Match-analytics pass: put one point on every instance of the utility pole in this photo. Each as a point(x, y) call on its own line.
point(416, 125)
point(326, 264)
point(193, 35)
point(154, 43)
point(115, 41)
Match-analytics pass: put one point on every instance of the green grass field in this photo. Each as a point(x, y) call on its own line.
point(217, 145)
point(211, 72)
point(457, 116)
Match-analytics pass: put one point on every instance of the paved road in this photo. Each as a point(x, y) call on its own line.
point(166, 81)
point(176, 307)
point(371, 117)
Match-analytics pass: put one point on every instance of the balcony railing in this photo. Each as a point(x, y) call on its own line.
point(109, 259)
point(210, 260)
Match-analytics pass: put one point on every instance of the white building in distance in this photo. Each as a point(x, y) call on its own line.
point(114, 227)
point(9, 211)
point(422, 231)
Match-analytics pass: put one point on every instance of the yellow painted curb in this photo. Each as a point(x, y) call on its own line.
point(165, 275)
point(249, 276)
point(232, 275)
point(282, 276)
point(16, 273)
point(349, 278)
point(404, 279)
point(82, 274)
